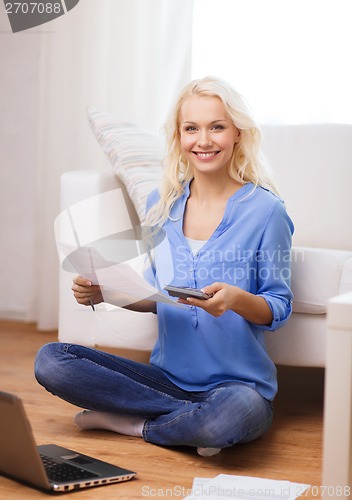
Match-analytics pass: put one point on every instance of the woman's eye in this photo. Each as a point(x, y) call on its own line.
point(218, 127)
point(190, 128)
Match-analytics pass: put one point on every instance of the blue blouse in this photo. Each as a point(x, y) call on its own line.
point(251, 248)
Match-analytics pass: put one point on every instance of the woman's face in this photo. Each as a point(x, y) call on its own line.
point(207, 134)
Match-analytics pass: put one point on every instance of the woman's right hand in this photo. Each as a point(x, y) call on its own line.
point(85, 293)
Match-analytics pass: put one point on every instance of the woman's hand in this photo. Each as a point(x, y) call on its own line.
point(221, 301)
point(85, 293)
point(251, 307)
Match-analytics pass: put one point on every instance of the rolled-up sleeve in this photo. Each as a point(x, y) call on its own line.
point(274, 266)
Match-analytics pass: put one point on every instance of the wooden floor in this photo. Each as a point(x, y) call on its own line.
point(291, 450)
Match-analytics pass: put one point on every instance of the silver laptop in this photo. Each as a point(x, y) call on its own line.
point(47, 467)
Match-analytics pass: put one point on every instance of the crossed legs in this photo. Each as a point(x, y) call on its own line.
point(138, 399)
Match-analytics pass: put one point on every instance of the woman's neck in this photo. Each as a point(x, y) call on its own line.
point(208, 189)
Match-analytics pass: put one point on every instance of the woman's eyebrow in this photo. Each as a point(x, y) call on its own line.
point(211, 123)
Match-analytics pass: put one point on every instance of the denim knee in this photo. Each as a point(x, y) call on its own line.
point(237, 414)
point(233, 413)
point(46, 364)
point(229, 414)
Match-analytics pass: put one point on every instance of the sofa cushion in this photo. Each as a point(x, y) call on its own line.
point(134, 152)
point(317, 275)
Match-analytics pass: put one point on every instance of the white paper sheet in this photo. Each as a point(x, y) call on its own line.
point(225, 486)
point(120, 279)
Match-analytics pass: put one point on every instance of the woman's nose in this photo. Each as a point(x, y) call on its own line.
point(204, 140)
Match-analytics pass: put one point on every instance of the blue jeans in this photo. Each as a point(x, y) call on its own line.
point(228, 414)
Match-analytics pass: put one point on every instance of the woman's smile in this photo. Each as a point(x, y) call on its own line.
point(208, 155)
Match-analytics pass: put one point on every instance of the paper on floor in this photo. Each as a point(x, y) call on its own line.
point(225, 486)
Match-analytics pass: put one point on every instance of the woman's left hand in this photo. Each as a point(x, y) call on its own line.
point(223, 299)
point(251, 307)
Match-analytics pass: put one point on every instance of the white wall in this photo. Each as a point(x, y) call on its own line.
point(19, 104)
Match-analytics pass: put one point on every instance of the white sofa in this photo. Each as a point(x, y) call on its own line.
point(312, 164)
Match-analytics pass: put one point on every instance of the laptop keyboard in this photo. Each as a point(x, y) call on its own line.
point(62, 472)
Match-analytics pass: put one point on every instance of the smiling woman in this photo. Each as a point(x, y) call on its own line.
point(268, 51)
point(210, 382)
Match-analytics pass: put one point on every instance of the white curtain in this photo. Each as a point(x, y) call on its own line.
point(127, 57)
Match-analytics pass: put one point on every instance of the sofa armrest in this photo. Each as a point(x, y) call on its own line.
point(317, 275)
point(78, 185)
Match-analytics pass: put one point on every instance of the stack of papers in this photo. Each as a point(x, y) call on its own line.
point(226, 486)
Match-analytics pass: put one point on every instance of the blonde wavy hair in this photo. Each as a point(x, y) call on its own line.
point(247, 163)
